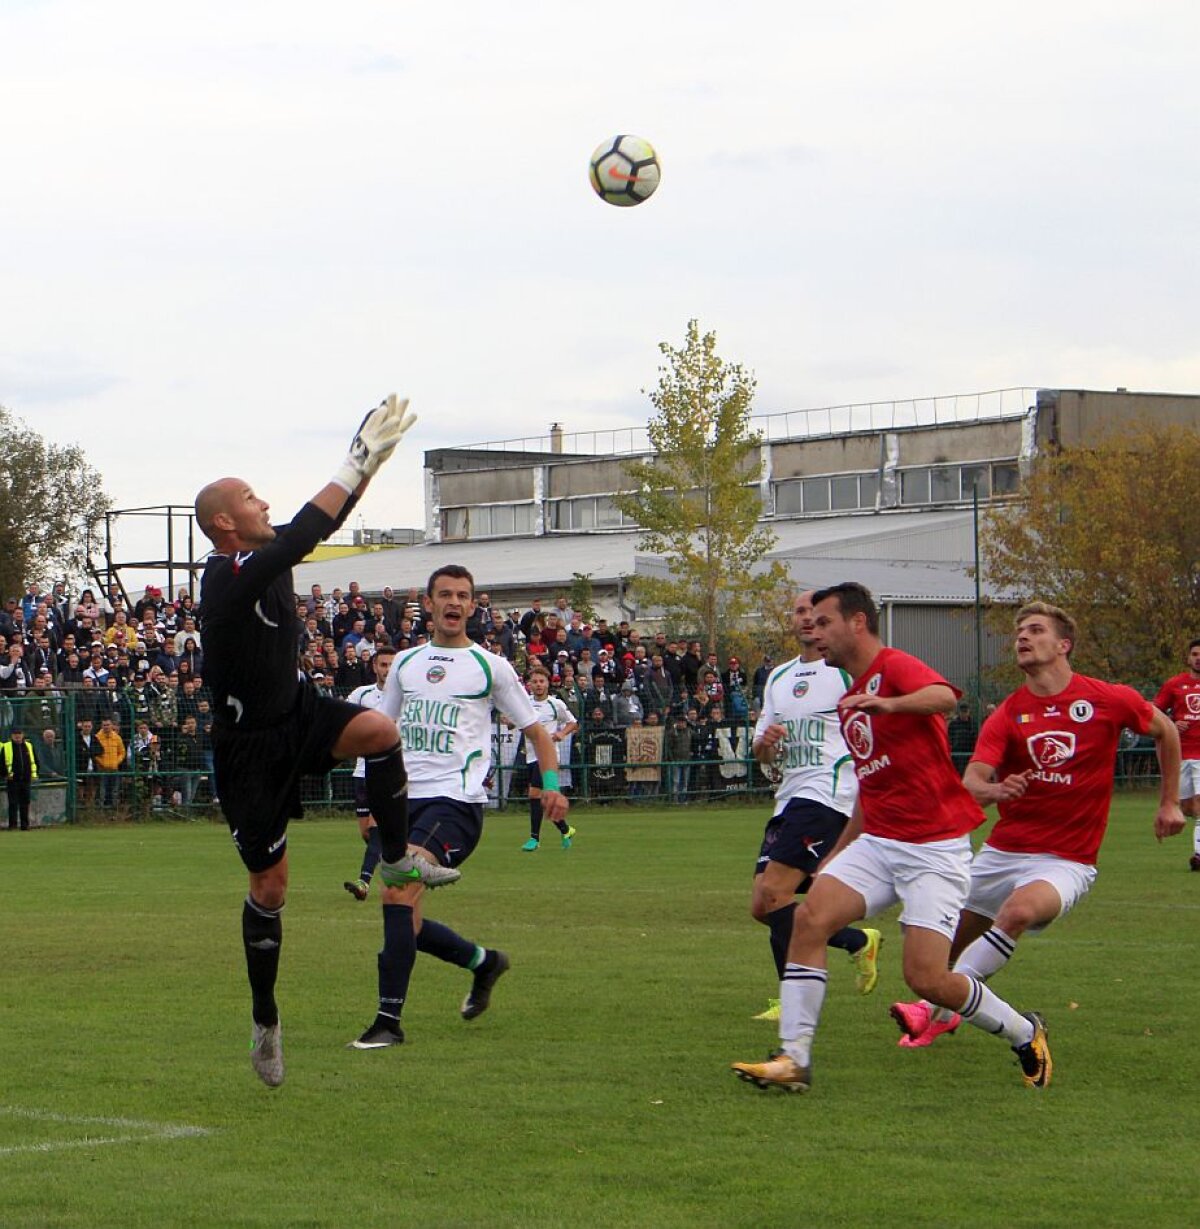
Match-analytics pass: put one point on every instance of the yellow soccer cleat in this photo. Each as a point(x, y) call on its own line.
point(866, 962)
point(1034, 1055)
point(779, 1071)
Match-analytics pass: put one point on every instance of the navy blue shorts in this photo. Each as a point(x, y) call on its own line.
point(362, 804)
point(449, 829)
point(801, 835)
point(535, 774)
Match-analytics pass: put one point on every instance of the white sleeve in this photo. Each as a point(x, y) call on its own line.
point(392, 704)
point(767, 716)
point(510, 697)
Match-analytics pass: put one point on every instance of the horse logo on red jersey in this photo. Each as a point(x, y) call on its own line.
point(1051, 748)
point(1193, 703)
point(858, 735)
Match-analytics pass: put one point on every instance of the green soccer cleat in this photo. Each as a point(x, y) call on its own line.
point(411, 869)
point(530, 845)
point(866, 970)
point(771, 1015)
point(566, 841)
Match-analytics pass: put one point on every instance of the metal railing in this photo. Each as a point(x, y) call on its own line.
point(814, 423)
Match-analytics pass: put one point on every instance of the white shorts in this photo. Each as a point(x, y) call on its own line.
point(1189, 779)
point(996, 875)
point(931, 880)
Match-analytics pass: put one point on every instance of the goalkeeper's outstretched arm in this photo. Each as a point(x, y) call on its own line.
point(373, 443)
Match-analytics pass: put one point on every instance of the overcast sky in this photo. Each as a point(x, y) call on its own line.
point(229, 229)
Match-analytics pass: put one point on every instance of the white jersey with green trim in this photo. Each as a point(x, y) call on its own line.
point(802, 697)
point(369, 695)
point(443, 699)
point(553, 715)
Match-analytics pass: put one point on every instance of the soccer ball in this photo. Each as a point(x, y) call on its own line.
point(624, 171)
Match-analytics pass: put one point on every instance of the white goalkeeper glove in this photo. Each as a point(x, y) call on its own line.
point(374, 442)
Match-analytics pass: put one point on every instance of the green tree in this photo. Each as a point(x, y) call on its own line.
point(1109, 533)
point(582, 596)
point(696, 498)
point(51, 499)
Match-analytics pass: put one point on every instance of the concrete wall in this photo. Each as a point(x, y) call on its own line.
point(980, 441)
point(844, 454)
point(485, 487)
point(1071, 418)
point(593, 477)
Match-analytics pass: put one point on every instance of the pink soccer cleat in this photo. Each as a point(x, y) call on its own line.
point(918, 1025)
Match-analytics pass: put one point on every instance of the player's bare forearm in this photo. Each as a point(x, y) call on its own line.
point(924, 702)
point(543, 746)
point(1169, 820)
point(980, 782)
point(1168, 751)
point(766, 748)
point(554, 805)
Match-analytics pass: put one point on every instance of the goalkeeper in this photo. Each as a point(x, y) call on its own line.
point(270, 726)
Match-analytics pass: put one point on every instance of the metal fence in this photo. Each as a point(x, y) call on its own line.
point(601, 764)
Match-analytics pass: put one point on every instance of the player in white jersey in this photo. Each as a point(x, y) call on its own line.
point(442, 695)
point(369, 695)
point(556, 719)
point(799, 736)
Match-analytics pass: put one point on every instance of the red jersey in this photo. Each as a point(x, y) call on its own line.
point(1180, 700)
point(1070, 741)
point(907, 782)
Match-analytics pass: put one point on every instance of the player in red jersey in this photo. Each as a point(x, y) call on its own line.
point(1047, 756)
point(909, 842)
point(1180, 700)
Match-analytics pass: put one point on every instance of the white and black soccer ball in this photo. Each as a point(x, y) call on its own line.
point(624, 170)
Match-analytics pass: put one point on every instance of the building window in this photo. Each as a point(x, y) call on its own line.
point(607, 516)
point(486, 521)
point(787, 499)
point(587, 512)
point(914, 486)
point(944, 484)
point(1006, 478)
point(815, 494)
point(868, 490)
point(843, 493)
point(976, 477)
point(952, 484)
point(454, 523)
point(827, 493)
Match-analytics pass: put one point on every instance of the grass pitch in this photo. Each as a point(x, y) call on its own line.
point(596, 1091)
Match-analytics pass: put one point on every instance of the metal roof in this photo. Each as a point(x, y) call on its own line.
point(921, 556)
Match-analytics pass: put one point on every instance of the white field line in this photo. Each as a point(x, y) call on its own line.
point(142, 1130)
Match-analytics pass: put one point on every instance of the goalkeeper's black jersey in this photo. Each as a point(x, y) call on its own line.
point(251, 631)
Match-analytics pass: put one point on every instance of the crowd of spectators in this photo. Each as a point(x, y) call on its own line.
point(141, 709)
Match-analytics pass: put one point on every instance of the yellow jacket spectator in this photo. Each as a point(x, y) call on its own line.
point(112, 748)
point(20, 772)
point(20, 763)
